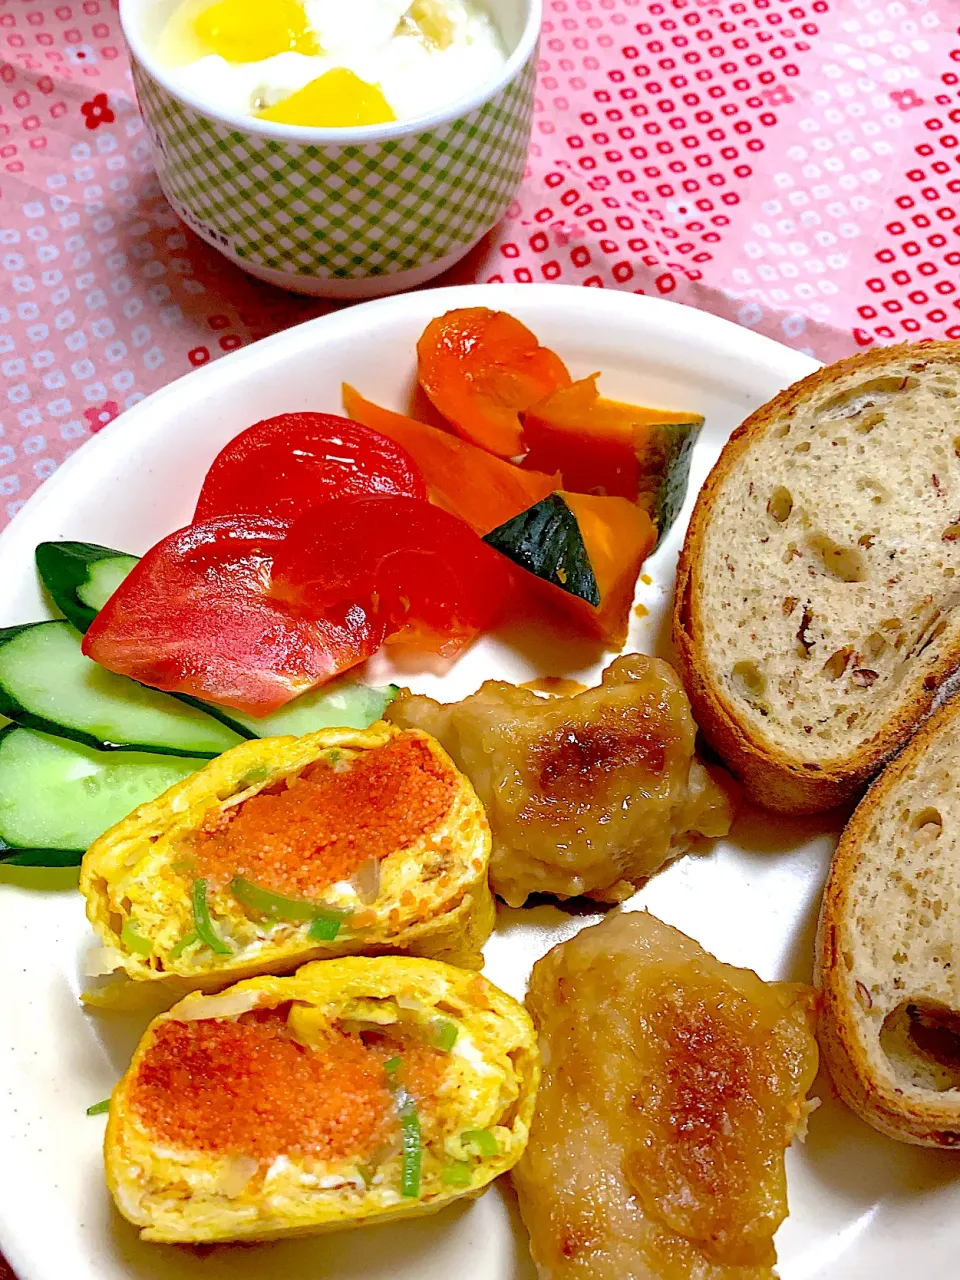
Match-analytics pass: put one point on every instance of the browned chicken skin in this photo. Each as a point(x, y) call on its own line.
point(671, 1086)
point(586, 794)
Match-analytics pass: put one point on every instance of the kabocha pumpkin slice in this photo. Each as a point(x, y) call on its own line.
point(291, 849)
point(585, 553)
point(546, 541)
point(357, 1091)
point(481, 369)
point(665, 456)
point(609, 447)
point(468, 481)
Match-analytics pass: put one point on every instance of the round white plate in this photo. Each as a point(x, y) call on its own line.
point(862, 1208)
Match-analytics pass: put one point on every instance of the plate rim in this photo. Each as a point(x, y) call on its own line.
point(708, 326)
point(689, 323)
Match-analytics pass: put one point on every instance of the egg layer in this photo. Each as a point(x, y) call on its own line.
point(289, 849)
point(323, 64)
point(276, 1107)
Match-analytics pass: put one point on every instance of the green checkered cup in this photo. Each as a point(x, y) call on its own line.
point(341, 213)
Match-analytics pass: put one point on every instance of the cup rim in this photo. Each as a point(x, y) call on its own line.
point(307, 134)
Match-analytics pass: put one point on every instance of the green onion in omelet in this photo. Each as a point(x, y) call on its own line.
point(322, 1100)
point(284, 850)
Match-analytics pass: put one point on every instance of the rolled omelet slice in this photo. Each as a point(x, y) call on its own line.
point(356, 1091)
point(285, 850)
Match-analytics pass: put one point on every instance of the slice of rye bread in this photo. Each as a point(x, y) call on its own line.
point(817, 610)
point(888, 945)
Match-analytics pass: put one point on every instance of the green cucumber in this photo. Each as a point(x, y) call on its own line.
point(546, 541)
point(57, 797)
point(341, 704)
point(47, 683)
point(81, 577)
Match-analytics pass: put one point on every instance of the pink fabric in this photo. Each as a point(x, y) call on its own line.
point(789, 164)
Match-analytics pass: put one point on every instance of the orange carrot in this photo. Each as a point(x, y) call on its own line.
point(481, 369)
point(467, 481)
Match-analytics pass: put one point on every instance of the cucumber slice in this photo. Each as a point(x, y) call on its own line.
point(81, 577)
point(57, 797)
point(341, 704)
point(46, 683)
point(104, 578)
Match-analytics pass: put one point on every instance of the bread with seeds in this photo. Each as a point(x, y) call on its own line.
point(817, 610)
point(888, 964)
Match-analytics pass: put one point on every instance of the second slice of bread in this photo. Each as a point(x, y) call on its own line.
point(818, 593)
point(889, 945)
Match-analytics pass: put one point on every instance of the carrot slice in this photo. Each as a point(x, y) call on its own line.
point(481, 369)
point(469, 482)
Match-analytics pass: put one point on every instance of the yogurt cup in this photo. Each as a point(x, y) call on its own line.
point(341, 213)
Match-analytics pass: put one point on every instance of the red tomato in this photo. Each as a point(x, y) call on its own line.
point(283, 466)
point(195, 616)
point(422, 572)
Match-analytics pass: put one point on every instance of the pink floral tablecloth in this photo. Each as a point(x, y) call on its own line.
point(789, 164)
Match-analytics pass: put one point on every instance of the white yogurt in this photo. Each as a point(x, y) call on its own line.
point(372, 38)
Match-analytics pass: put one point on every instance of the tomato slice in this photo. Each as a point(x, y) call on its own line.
point(481, 369)
point(195, 616)
point(420, 572)
point(283, 466)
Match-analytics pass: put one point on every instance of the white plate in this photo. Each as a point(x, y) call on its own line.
point(862, 1207)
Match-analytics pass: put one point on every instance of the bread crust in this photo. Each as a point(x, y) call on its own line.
point(772, 777)
point(934, 1119)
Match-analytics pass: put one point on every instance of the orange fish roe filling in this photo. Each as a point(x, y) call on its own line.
point(330, 821)
point(421, 1071)
point(249, 1088)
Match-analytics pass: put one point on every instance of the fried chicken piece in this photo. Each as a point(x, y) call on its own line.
point(672, 1085)
point(586, 794)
